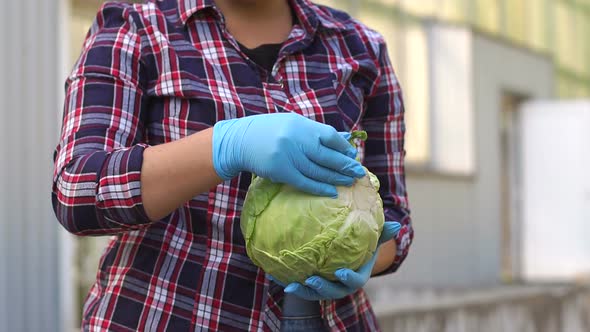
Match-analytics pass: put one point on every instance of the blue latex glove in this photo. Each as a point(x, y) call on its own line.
point(317, 288)
point(286, 148)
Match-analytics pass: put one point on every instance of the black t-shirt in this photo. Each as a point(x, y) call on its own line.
point(264, 55)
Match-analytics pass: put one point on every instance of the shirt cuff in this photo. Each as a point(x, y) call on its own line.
point(118, 196)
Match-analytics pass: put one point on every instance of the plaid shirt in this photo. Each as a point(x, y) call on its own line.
point(156, 72)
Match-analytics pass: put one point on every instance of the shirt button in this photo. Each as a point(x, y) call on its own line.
point(281, 83)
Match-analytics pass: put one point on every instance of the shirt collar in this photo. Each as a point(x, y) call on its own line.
point(306, 15)
point(309, 15)
point(312, 16)
point(187, 8)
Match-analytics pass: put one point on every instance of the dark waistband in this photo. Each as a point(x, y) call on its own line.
point(294, 306)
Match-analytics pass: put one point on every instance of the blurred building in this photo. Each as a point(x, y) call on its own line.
point(466, 67)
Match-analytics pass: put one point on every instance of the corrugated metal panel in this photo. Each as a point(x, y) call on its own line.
point(31, 83)
point(3, 180)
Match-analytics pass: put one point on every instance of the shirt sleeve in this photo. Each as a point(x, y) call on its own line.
point(97, 162)
point(384, 152)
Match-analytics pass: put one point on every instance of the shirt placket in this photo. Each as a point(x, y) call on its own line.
point(275, 83)
point(276, 91)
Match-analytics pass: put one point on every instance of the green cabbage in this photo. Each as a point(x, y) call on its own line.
point(293, 235)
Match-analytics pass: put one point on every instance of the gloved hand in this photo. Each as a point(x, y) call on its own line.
point(286, 148)
point(317, 288)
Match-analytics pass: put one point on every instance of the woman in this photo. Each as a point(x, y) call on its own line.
point(171, 106)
